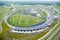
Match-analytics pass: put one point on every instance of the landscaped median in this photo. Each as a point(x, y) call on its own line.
point(5, 28)
point(54, 33)
point(57, 36)
point(49, 33)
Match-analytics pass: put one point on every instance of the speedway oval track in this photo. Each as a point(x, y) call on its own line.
point(38, 27)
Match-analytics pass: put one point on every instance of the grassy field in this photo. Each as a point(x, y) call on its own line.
point(4, 11)
point(5, 28)
point(24, 20)
point(57, 8)
point(44, 13)
point(24, 7)
point(18, 19)
point(31, 36)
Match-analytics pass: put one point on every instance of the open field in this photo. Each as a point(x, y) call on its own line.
point(26, 19)
point(57, 7)
point(4, 11)
point(5, 29)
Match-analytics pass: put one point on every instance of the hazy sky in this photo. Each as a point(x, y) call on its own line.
point(29, 0)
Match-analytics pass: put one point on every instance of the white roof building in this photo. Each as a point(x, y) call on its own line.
point(34, 11)
point(38, 15)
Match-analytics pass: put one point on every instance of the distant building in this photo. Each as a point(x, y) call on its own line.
point(34, 11)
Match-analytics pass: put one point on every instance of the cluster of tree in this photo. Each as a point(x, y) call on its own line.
point(28, 3)
point(1, 3)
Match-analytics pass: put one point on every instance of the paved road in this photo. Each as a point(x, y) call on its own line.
point(0, 24)
point(57, 36)
point(53, 34)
